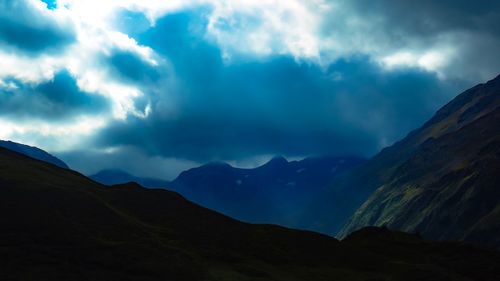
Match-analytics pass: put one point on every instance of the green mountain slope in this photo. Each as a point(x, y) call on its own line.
point(348, 193)
point(447, 187)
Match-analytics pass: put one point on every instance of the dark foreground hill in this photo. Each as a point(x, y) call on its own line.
point(449, 187)
point(56, 224)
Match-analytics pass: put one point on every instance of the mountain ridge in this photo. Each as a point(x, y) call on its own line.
point(347, 193)
point(274, 192)
point(446, 174)
point(33, 152)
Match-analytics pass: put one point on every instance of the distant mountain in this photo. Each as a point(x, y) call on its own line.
point(112, 177)
point(275, 192)
point(56, 224)
point(447, 185)
point(33, 152)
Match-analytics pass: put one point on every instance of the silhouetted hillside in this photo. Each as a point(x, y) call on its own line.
point(58, 225)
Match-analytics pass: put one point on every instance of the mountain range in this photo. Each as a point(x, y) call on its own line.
point(439, 181)
point(56, 224)
point(275, 192)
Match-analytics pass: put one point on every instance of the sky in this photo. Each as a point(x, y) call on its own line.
point(154, 87)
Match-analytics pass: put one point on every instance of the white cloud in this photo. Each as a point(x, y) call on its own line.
point(8, 85)
point(83, 60)
point(268, 27)
point(53, 137)
point(279, 27)
point(28, 69)
point(433, 60)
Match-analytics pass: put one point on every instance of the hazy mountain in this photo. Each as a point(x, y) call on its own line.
point(276, 192)
point(33, 152)
point(112, 177)
point(449, 186)
point(58, 225)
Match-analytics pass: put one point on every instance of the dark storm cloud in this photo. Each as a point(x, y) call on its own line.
point(52, 101)
point(129, 67)
point(470, 30)
point(273, 106)
point(428, 17)
point(24, 27)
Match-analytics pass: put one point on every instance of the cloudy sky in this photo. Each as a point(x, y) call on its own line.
point(157, 86)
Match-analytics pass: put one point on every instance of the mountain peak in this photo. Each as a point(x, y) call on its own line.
point(277, 161)
point(117, 177)
point(218, 164)
point(496, 79)
point(112, 177)
point(466, 107)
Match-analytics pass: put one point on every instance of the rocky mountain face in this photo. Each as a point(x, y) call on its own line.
point(59, 225)
point(445, 183)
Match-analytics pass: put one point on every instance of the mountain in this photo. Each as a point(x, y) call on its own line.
point(112, 177)
point(33, 152)
point(449, 188)
point(59, 225)
point(331, 211)
point(275, 192)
